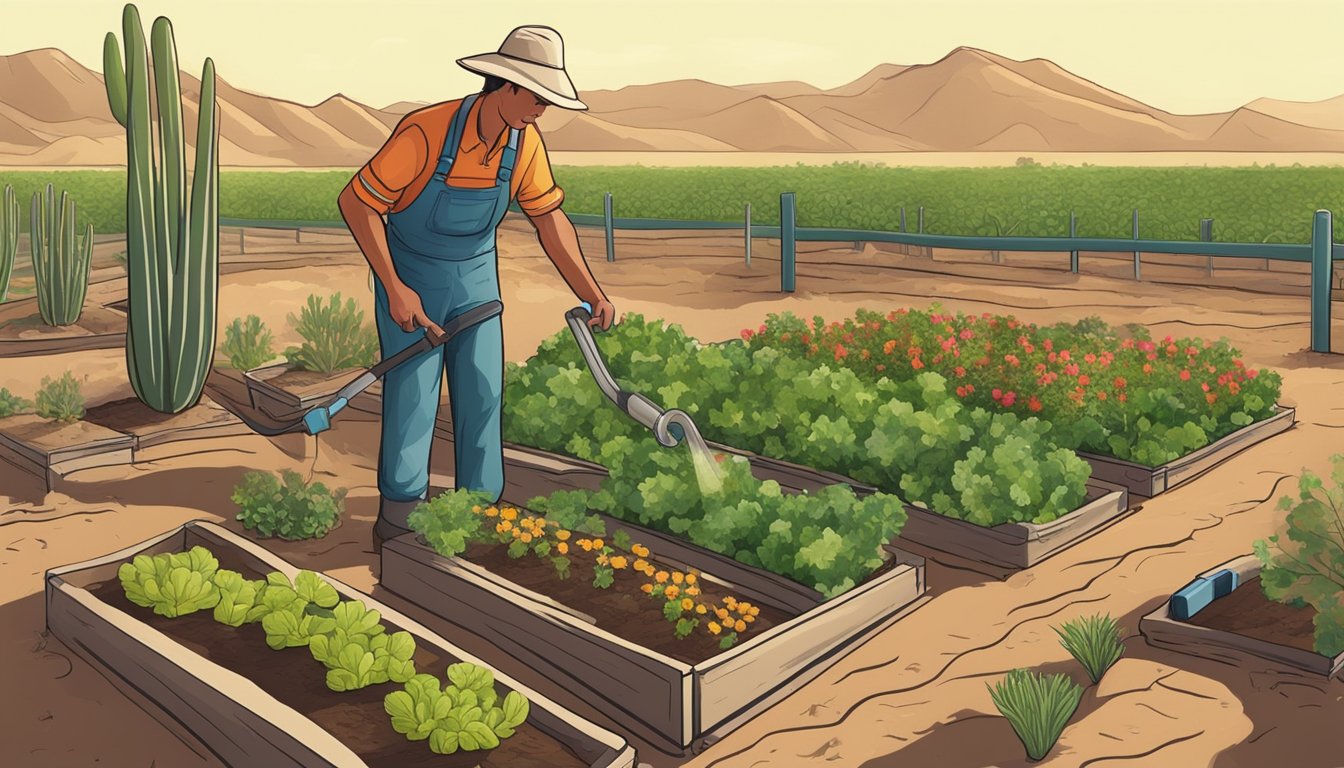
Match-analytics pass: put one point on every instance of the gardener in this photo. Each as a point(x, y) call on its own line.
point(445, 179)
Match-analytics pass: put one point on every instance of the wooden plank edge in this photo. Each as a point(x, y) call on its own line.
point(1160, 630)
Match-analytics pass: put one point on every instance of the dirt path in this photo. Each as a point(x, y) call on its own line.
point(915, 695)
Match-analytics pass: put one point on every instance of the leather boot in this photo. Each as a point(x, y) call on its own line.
point(392, 520)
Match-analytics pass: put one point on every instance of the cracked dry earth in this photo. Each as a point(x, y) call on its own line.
point(915, 694)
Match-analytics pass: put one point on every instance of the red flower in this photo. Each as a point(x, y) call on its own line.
point(916, 363)
point(996, 394)
point(1064, 355)
point(1212, 398)
point(1071, 369)
point(840, 352)
point(1185, 375)
point(1009, 398)
point(961, 391)
point(1147, 368)
point(1034, 404)
point(1101, 395)
point(889, 347)
point(746, 334)
point(1090, 358)
point(1084, 380)
point(1048, 344)
point(959, 371)
point(1205, 386)
point(1121, 397)
point(1120, 382)
point(1252, 373)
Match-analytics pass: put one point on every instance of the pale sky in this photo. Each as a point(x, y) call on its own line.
point(1184, 56)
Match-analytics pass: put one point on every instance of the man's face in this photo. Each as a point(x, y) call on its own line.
point(519, 106)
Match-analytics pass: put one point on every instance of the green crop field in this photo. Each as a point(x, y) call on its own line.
point(1255, 204)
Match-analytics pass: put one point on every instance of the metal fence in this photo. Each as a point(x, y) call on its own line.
point(1321, 253)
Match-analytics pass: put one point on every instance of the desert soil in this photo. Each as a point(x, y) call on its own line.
point(915, 695)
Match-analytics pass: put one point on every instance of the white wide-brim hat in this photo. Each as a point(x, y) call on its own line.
point(534, 58)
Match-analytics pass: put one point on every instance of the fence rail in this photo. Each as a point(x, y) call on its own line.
point(1321, 253)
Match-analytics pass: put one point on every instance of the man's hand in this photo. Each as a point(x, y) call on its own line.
point(603, 315)
point(407, 312)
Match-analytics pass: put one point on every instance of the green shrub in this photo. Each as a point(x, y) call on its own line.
point(1095, 641)
point(247, 343)
point(287, 506)
point(334, 335)
point(1037, 706)
point(1307, 565)
point(11, 404)
point(60, 400)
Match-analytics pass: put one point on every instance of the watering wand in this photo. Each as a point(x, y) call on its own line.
point(670, 427)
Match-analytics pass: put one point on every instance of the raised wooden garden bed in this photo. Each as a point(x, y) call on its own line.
point(52, 449)
point(285, 393)
point(1150, 481)
point(252, 706)
point(1229, 619)
point(1008, 547)
point(589, 642)
point(149, 428)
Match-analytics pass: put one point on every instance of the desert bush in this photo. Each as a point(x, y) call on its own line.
point(1306, 567)
point(247, 343)
point(60, 399)
point(1037, 706)
point(287, 506)
point(334, 336)
point(11, 403)
point(1095, 641)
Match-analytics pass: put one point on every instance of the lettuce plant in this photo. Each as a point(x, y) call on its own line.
point(467, 715)
point(173, 584)
point(237, 597)
point(293, 614)
point(358, 652)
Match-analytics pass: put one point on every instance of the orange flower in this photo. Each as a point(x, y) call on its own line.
point(660, 577)
point(671, 591)
point(597, 544)
point(562, 535)
point(602, 560)
point(701, 609)
point(647, 589)
point(526, 537)
point(619, 562)
point(714, 628)
point(562, 548)
point(509, 513)
point(740, 626)
point(678, 577)
point(492, 512)
point(687, 603)
point(690, 578)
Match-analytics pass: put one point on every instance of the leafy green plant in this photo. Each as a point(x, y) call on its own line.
point(465, 716)
point(11, 404)
point(1305, 565)
point(61, 261)
point(247, 343)
point(60, 399)
point(358, 651)
point(172, 237)
point(1095, 641)
point(292, 614)
point(334, 336)
point(1037, 706)
point(173, 584)
point(287, 506)
point(237, 597)
point(448, 522)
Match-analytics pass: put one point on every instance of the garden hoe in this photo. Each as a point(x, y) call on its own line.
point(318, 419)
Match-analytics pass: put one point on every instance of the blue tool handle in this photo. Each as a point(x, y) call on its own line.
point(337, 405)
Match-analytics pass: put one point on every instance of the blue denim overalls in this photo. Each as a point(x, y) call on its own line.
point(443, 247)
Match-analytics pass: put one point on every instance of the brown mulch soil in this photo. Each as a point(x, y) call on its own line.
point(1248, 612)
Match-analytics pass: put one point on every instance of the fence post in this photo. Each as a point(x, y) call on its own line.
point(921, 220)
point(788, 220)
point(902, 218)
point(606, 221)
point(1138, 274)
point(1322, 232)
point(1073, 232)
point(242, 240)
point(747, 235)
point(1206, 235)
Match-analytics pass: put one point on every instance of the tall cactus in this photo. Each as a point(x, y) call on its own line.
point(61, 261)
point(172, 241)
point(9, 238)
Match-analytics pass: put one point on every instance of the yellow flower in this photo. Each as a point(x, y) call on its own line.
point(693, 591)
point(639, 550)
point(562, 548)
point(641, 564)
point(701, 609)
point(509, 513)
point(740, 626)
point(619, 562)
point(562, 535)
point(671, 592)
point(477, 509)
point(647, 589)
point(504, 526)
point(492, 512)
point(714, 628)
point(678, 577)
point(586, 544)
point(748, 618)
point(597, 544)
point(660, 577)
point(690, 578)
point(526, 537)
point(687, 603)
point(755, 611)
point(722, 613)
point(730, 601)
point(744, 608)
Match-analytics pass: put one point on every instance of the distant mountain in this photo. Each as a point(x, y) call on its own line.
point(53, 111)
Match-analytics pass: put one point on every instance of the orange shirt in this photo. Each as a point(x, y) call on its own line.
point(405, 164)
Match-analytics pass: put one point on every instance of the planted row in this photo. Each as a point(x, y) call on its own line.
point(57, 400)
point(334, 335)
point(348, 638)
point(1116, 392)
point(914, 437)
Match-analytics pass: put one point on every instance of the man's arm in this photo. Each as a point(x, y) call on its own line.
point(367, 226)
point(558, 239)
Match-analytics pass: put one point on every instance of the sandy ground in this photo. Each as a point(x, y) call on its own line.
point(916, 694)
